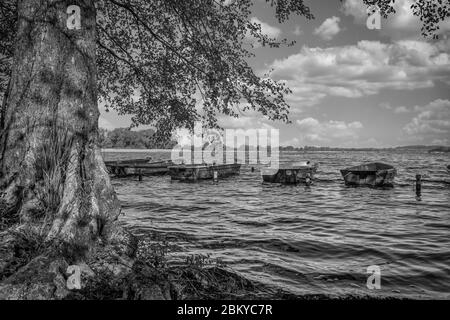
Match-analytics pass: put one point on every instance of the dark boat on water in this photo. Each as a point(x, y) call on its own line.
point(195, 172)
point(374, 174)
point(290, 173)
point(140, 167)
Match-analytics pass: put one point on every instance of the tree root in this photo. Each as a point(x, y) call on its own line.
point(36, 251)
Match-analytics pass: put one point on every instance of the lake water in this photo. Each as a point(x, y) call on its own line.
point(316, 240)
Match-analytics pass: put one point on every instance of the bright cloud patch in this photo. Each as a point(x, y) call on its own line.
point(312, 131)
point(363, 69)
point(267, 29)
point(105, 124)
point(432, 124)
point(249, 120)
point(329, 28)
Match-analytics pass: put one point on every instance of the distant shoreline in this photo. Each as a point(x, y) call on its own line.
point(430, 149)
point(134, 150)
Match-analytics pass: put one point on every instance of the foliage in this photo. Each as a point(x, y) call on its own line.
point(24, 245)
point(153, 253)
point(199, 277)
point(170, 62)
point(157, 59)
point(8, 19)
point(430, 12)
point(8, 216)
point(51, 163)
point(124, 138)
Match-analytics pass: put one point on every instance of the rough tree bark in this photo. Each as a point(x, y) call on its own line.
point(49, 129)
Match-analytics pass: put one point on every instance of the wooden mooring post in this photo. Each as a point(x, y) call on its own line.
point(418, 187)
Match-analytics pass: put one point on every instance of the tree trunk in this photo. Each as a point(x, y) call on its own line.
point(50, 164)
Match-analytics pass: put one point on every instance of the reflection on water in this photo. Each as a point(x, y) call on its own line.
point(319, 239)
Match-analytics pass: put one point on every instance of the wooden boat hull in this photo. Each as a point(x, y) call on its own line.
point(290, 174)
point(140, 167)
point(372, 175)
point(203, 172)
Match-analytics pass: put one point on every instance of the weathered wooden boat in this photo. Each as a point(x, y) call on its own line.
point(138, 167)
point(196, 172)
point(290, 173)
point(374, 174)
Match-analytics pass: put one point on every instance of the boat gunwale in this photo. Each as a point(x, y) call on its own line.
point(359, 168)
point(200, 166)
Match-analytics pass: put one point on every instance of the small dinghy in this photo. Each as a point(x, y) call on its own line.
point(290, 173)
point(195, 172)
point(374, 174)
point(140, 167)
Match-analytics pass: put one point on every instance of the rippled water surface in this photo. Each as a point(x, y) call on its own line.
point(316, 240)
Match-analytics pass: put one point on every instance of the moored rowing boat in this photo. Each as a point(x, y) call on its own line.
point(290, 173)
point(196, 172)
point(141, 167)
point(373, 174)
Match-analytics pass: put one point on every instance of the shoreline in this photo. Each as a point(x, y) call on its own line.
point(150, 277)
point(135, 150)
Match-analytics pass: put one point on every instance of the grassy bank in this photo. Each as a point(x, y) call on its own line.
point(25, 257)
point(31, 268)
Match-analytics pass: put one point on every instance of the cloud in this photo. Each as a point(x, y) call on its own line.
point(401, 25)
point(356, 9)
point(297, 31)
point(363, 69)
point(105, 124)
point(227, 2)
point(249, 120)
point(238, 123)
point(399, 109)
point(292, 142)
point(312, 131)
point(432, 124)
point(329, 28)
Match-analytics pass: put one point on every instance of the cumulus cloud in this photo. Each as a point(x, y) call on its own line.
point(329, 28)
point(356, 9)
point(315, 132)
point(401, 25)
point(432, 124)
point(363, 69)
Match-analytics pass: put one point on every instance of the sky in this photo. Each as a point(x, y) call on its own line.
point(352, 87)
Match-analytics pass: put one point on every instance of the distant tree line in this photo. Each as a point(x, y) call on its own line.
point(124, 138)
point(401, 148)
